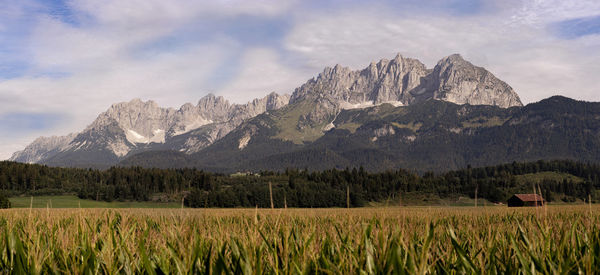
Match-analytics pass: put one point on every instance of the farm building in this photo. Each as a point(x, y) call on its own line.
point(518, 200)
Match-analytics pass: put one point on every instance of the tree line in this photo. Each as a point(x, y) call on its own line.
point(300, 188)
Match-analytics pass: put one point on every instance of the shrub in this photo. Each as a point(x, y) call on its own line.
point(4, 202)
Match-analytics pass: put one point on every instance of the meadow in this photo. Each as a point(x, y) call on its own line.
point(71, 201)
point(393, 240)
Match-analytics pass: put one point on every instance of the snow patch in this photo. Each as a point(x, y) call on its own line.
point(81, 144)
point(158, 137)
point(362, 105)
point(134, 137)
point(367, 104)
point(193, 126)
point(244, 141)
point(455, 130)
point(118, 148)
point(329, 126)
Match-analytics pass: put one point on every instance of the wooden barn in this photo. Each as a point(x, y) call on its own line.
point(518, 200)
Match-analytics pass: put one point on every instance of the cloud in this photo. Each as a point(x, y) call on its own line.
point(13, 124)
point(535, 62)
point(18, 127)
point(541, 12)
point(262, 72)
point(7, 149)
point(74, 58)
point(138, 14)
point(574, 28)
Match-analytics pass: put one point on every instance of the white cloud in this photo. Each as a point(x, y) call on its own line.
point(98, 61)
point(140, 13)
point(539, 12)
point(100, 70)
point(263, 72)
point(6, 150)
point(527, 57)
point(170, 79)
point(80, 70)
point(58, 46)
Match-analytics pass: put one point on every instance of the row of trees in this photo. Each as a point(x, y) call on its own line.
point(299, 188)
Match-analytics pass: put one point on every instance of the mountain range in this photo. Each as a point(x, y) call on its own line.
point(392, 114)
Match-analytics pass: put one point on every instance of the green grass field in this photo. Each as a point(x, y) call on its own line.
point(75, 202)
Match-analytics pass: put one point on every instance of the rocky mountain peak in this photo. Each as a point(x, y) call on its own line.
point(338, 71)
point(42, 147)
point(132, 114)
point(134, 104)
point(456, 80)
point(275, 101)
point(453, 58)
point(210, 100)
point(187, 107)
point(404, 81)
point(214, 107)
point(140, 125)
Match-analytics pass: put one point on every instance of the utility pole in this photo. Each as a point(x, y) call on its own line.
point(476, 188)
point(271, 194)
point(347, 196)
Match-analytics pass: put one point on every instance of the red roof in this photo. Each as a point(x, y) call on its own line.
point(529, 197)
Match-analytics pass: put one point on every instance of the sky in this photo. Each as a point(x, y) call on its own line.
point(62, 62)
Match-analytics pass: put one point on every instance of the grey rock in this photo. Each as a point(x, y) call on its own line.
point(456, 80)
point(43, 148)
point(137, 126)
point(401, 81)
point(384, 81)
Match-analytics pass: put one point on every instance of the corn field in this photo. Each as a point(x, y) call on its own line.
point(496, 240)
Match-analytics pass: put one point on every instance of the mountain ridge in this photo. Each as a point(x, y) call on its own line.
point(428, 136)
point(131, 126)
point(128, 128)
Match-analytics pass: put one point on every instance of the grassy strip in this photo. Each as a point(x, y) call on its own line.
point(75, 202)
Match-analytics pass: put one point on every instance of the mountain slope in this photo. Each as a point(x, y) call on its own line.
point(136, 126)
point(43, 148)
point(129, 128)
point(431, 135)
point(400, 82)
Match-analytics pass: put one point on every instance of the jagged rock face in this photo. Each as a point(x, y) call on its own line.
point(406, 80)
point(402, 81)
point(138, 125)
point(324, 110)
point(42, 148)
point(228, 117)
point(385, 81)
point(458, 81)
point(142, 122)
point(146, 122)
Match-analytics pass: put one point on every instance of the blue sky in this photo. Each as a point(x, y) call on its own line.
point(62, 62)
